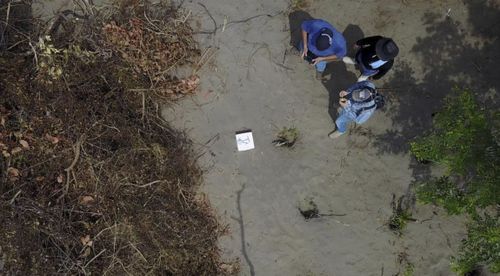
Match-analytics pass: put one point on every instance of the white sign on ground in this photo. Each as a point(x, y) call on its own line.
point(244, 141)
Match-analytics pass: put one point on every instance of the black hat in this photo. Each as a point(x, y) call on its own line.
point(324, 39)
point(386, 49)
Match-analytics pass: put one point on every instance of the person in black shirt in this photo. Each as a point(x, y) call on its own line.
point(375, 56)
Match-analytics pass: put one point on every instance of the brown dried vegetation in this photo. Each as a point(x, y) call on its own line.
point(92, 181)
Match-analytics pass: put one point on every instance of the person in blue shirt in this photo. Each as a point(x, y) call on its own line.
point(375, 56)
point(321, 43)
point(358, 103)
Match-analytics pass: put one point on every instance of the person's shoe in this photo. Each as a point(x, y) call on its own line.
point(348, 60)
point(335, 134)
point(319, 76)
point(363, 78)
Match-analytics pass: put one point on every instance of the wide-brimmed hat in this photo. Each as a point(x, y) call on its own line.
point(324, 39)
point(386, 49)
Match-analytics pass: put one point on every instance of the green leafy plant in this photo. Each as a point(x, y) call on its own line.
point(52, 61)
point(460, 132)
point(409, 269)
point(286, 137)
point(401, 215)
point(441, 191)
point(465, 140)
point(406, 268)
point(462, 141)
point(482, 245)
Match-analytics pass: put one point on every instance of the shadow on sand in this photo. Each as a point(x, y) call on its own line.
point(451, 62)
point(336, 76)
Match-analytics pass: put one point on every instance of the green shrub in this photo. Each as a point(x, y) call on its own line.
point(441, 191)
point(460, 131)
point(465, 139)
point(401, 215)
point(482, 245)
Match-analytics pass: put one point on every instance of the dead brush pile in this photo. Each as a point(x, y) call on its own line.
point(92, 180)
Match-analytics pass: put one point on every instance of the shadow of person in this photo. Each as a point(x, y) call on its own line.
point(295, 19)
point(336, 77)
point(340, 79)
point(352, 33)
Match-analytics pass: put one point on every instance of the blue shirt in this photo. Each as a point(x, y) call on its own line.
point(313, 28)
point(353, 107)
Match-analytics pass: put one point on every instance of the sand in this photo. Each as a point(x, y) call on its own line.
point(254, 83)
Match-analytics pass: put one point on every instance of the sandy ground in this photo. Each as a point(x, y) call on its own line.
point(254, 84)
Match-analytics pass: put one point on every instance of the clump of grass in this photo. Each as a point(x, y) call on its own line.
point(308, 208)
point(286, 137)
point(407, 267)
point(299, 4)
point(400, 215)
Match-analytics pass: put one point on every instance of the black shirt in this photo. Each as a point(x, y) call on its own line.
point(369, 55)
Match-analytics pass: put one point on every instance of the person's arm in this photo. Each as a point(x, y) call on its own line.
point(367, 41)
point(343, 101)
point(307, 27)
point(382, 70)
point(327, 58)
point(304, 42)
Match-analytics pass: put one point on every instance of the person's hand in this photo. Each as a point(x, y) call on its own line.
point(304, 53)
point(316, 60)
point(343, 102)
point(343, 93)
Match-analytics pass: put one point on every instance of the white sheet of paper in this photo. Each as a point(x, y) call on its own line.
point(244, 141)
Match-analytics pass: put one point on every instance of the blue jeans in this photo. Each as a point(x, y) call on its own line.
point(320, 66)
point(342, 121)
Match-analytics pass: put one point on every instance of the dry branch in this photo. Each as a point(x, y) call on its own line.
point(69, 169)
point(124, 141)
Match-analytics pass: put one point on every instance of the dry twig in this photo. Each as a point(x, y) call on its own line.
point(69, 169)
